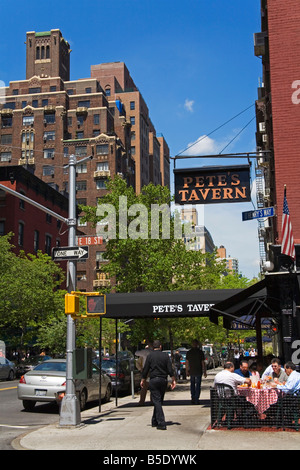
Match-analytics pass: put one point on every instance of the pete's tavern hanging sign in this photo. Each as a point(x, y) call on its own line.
point(211, 185)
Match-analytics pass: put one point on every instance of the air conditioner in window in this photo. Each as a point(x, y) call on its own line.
point(262, 127)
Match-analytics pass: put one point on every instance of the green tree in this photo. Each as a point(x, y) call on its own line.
point(30, 292)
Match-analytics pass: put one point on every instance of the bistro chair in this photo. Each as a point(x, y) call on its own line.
point(291, 410)
point(226, 406)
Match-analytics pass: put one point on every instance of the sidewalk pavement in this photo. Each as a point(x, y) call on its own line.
point(127, 427)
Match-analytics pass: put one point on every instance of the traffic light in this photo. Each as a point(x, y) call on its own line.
point(71, 304)
point(95, 304)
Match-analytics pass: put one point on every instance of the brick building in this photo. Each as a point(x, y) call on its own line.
point(48, 117)
point(33, 229)
point(277, 112)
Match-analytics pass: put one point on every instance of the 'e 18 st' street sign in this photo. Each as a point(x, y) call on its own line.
point(258, 214)
point(70, 253)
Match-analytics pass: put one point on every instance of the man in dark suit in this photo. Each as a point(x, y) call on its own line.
point(158, 366)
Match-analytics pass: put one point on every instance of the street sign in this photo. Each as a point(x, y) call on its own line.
point(90, 240)
point(258, 214)
point(70, 253)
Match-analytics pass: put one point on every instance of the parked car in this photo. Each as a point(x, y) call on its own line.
point(211, 350)
point(123, 381)
point(208, 360)
point(7, 369)
point(29, 364)
point(47, 383)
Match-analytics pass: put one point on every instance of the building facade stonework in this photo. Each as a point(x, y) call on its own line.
point(48, 117)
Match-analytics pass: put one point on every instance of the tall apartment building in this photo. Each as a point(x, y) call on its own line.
point(201, 239)
point(232, 264)
point(48, 117)
point(277, 114)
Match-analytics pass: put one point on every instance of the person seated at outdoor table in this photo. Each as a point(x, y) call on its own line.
point(228, 377)
point(275, 371)
point(254, 369)
point(292, 384)
point(243, 370)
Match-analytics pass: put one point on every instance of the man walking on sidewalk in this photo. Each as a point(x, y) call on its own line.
point(158, 366)
point(195, 367)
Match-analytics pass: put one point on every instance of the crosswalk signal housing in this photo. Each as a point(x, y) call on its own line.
point(95, 305)
point(71, 304)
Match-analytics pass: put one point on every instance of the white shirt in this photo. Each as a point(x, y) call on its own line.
point(229, 378)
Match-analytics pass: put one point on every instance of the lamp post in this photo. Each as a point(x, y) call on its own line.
point(70, 407)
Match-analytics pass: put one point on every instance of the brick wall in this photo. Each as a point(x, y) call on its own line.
point(284, 47)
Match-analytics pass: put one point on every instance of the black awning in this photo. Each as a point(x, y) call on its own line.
point(244, 305)
point(193, 303)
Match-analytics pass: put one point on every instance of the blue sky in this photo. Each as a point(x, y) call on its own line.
point(193, 62)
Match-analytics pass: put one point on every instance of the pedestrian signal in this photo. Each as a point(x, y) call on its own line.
point(71, 304)
point(95, 305)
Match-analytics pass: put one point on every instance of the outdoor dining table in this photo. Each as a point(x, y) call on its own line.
point(261, 398)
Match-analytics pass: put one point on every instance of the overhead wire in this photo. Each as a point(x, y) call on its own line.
point(215, 130)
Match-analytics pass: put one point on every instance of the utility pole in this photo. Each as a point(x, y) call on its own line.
point(70, 407)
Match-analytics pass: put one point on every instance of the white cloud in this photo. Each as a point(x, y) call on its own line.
point(188, 105)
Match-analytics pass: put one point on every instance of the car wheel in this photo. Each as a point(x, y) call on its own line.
point(11, 375)
point(83, 399)
point(28, 405)
point(107, 394)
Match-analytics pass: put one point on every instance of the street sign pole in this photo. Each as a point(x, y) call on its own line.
point(70, 409)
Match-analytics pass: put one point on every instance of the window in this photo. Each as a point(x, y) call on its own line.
point(96, 119)
point(15, 91)
point(36, 240)
point(88, 90)
point(44, 102)
point(6, 121)
point(48, 170)
point(28, 120)
point(2, 228)
point(35, 103)
point(6, 138)
point(69, 121)
point(23, 104)
point(70, 91)
point(81, 150)
point(34, 90)
point(48, 153)
point(49, 118)
point(27, 137)
point(102, 166)
point(48, 244)
point(96, 132)
point(5, 156)
point(81, 186)
point(107, 91)
point(81, 168)
point(47, 52)
point(50, 135)
point(132, 105)
point(79, 135)
point(102, 149)
point(66, 151)
point(100, 184)
point(132, 149)
point(9, 105)
point(21, 234)
point(52, 88)
point(80, 120)
point(84, 104)
point(132, 120)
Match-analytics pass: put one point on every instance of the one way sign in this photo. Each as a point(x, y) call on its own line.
point(70, 253)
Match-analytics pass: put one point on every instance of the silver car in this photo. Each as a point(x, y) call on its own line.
point(47, 383)
point(7, 369)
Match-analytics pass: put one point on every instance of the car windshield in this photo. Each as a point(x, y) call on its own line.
point(108, 364)
point(51, 366)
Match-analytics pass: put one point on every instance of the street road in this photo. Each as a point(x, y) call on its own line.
point(14, 420)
